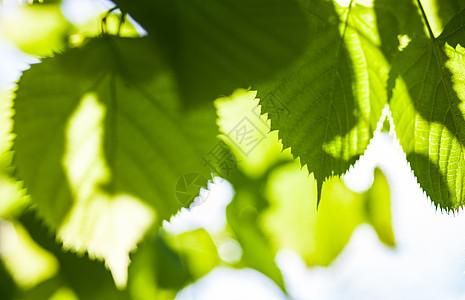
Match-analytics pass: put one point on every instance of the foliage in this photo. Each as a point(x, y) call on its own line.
point(114, 131)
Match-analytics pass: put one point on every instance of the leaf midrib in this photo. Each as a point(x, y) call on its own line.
point(335, 66)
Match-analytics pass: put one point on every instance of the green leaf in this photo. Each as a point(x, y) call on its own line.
point(172, 272)
point(427, 109)
point(197, 250)
point(88, 279)
point(8, 288)
point(102, 142)
point(440, 12)
point(166, 263)
point(156, 271)
point(378, 208)
point(43, 291)
point(243, 215)
point(448, 8)
point(6, 111)
point(396, 24)
point(11, 192)
point(327, 106)
point(38, 29)
point(163, 265)
point(293, 222)
point(216, 46)
point(246, 132)
point(386, 125)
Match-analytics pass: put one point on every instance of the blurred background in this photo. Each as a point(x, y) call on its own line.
point(375, 235)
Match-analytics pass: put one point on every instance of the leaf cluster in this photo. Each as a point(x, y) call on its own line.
point(115, 131)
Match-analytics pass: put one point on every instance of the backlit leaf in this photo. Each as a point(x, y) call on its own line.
point(102, 143)
point(216, 46)
point(327, 106)
point(428, 111)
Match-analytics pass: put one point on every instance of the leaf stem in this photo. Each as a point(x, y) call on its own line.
point(105, 19)
point(425, 18)
point(346, 23)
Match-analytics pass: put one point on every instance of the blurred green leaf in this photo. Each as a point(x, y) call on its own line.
point(43, 291)
point(386, 125)
point(12, 196)
point(165, 263)
point(378, 208)
point(102, 143)
point(6, 124)
point(8, 288)
point(243, 215)
point(246, 132)
point(37, 29)
point(88, 279)
point(197, 250)
point(172, 272)
point(28, 263)
point(293, 222)
point(216, 46)
point(145, 268)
